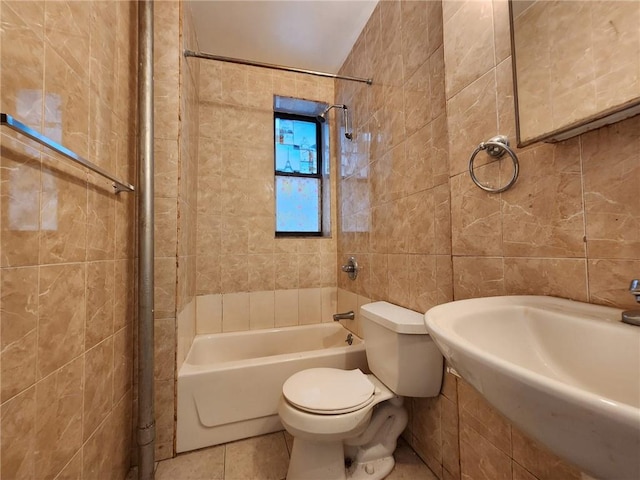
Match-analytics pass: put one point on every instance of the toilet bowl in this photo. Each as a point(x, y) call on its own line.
point(346, 423)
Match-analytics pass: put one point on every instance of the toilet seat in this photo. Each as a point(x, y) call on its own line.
point(329, 391)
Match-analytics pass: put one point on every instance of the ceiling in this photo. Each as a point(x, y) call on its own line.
point(309, 34)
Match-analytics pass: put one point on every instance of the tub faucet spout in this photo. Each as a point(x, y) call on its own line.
point(632, 317)
point(344, 316)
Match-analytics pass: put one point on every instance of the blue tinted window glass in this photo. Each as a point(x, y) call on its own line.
point(297, 204)
point(296, 149)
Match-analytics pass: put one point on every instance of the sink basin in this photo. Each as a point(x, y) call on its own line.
point(564, 372)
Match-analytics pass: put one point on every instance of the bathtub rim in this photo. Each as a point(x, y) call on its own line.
point(188, 369)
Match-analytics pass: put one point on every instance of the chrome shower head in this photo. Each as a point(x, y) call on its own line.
point(322, 118)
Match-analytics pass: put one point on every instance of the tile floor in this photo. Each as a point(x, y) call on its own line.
point(264, 458)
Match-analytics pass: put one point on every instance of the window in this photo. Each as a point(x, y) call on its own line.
point(298, 175)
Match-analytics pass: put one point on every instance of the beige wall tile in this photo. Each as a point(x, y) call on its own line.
point(261, 234)
point(611, 161)
point(481, 417)
point(124, 301)
point(164, 351)
point(427, 430)
point(357, 329)
point(415, 36)
point(18, 334)
point(165, 287)
point(68, 29)
point(70, 230)
point(165, 173)
point(18, 429)
point(235, 312)
point(234, 273)
point(208, 314)
point(73, 469)
point(286, 307)
point(61, 322)
point(166, 227)
point(261, 309)
point(476, 221)
point(479, 459)
point(543, 215)
point(100, 302)
point(24, 24)
point(444, 278)
point(399, 267)
point(243, 97)
point(417, 97)
point(309, 270)
point(20, 206)
point(309, 306)
point(96, 462)
point(529, 240)
point(122, 363)
point(538, 460)
point(208, 274)
point(66, 103)
point(63, 212)
point(450, 437)
point(557, 277)
point(186, 326)
point(476, 101)
point(59, 399)
point(423, 287)
point(520, 473)
point(98, 386)
point(329, 303)
point(609, 280)
point(501, 31)
point(286, 273)
point(261, 272)
point(469, 44)
point(164, 396)
point(348, 301)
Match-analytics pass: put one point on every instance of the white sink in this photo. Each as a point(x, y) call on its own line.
point(566, 373)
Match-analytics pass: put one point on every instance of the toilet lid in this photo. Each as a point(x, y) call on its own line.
point(328, 391)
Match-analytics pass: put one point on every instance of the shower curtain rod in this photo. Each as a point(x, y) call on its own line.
point(208, 56)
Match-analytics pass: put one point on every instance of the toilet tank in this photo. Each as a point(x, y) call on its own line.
point(400, 351)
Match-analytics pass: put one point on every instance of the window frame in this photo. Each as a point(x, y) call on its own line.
point(319, 172)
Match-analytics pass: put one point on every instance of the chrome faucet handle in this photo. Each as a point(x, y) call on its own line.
point(632, 317)
point(634, 289)
point(351, 268)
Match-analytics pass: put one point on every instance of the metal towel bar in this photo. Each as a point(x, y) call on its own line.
point(9, 121)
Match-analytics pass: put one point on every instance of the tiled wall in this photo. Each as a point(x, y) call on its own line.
point(175, 140)
point(394, 192)
point(240, 311)
point(237, 251)
point(393, 189)
point(569, 227)
point(67, 242)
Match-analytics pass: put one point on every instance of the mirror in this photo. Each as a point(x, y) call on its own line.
point(576, 66)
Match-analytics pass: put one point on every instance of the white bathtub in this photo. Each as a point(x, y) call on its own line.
point(230, 383)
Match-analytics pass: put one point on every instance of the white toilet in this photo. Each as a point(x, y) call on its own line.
point(345, 423)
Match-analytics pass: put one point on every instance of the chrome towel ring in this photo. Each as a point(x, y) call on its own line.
point(496, 147)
